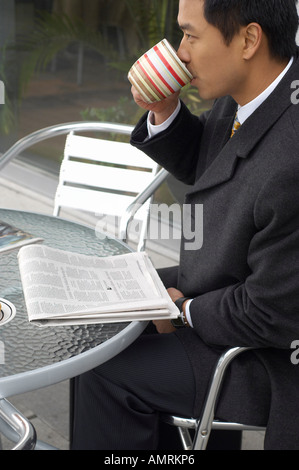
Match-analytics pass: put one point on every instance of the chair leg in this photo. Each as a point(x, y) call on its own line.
point(186, 438)
point(206, 422)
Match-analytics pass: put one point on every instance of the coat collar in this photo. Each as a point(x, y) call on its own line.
point(228, 150)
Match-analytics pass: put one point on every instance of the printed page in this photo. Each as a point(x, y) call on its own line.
point(59, 284)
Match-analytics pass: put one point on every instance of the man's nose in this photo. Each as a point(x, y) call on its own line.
point(183, 52)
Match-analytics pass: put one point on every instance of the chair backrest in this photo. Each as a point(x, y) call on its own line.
point(103, 177)
point(74, 192)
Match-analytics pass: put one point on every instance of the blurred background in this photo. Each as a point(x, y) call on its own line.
point(67, 60)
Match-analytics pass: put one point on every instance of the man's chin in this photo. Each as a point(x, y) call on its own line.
point(207, 94)
point(203, 93)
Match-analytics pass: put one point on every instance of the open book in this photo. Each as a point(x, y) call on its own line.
point(13, 237)
point(62, 287)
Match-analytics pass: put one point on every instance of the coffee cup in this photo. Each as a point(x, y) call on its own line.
point(159, 73)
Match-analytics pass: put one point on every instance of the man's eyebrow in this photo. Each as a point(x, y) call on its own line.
point(186, 27)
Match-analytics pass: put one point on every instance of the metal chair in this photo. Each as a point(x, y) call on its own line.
point(16, 427)
point(203, 426)
point(98, 175)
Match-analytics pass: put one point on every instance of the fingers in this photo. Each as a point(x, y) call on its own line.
point(163, 109)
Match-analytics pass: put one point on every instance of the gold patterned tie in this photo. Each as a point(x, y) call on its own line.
point(236, 125)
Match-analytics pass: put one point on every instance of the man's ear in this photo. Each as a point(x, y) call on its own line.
point(252, 34)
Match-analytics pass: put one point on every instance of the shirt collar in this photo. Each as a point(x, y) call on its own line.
point(245, 111)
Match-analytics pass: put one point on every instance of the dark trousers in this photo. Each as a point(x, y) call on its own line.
point(117, 405)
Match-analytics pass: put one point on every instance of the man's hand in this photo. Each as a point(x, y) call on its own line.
point(174, 294)
point(162, 109)
point(165, 326)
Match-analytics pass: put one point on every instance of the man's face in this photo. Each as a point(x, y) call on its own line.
point(218, 69)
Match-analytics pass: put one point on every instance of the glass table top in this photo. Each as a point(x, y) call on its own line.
point(27, 347)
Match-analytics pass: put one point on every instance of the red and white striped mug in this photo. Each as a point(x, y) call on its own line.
point(159, 73)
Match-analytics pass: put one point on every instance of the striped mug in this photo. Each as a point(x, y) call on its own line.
point(159, 73)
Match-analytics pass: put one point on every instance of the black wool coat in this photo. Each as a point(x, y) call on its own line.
point(245, 278)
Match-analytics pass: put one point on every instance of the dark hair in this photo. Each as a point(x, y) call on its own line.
point(277, 18)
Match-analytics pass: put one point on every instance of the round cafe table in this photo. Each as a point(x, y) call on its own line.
point(34, 357)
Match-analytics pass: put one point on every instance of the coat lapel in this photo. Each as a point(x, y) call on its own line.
point(221, 169)
point(224, 152)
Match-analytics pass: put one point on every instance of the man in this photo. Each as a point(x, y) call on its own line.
point(241, 287)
